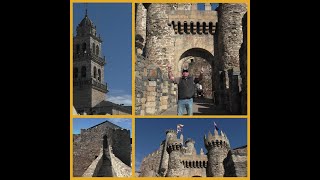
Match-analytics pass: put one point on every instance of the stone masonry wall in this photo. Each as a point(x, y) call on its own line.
point(154, 93)
point(94, 168)
point(119, 168)
point(159, 44)
point(236, 163)
point(229, 39)
point(97, 97)
point(215, 162)
point(86, 148)
point(243, 66)
point(175, 167)
point(121, 145)
point(141, 20)
point(150, 164)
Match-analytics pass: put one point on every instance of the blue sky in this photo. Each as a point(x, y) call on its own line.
point(213, 6)
point(84, 123)
point(150, 132)
point(113, 22)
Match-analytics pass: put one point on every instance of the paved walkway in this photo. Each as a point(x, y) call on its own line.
point(200, 107)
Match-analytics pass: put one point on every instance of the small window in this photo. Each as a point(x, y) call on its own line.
point(94, 72)
point(83, 71)
point(99, 75)
point(97, 50)
point(84, 47)
point(94, 48)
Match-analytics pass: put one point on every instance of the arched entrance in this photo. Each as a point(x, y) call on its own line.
point(194, 59)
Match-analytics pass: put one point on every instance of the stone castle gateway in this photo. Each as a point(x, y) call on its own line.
point(185, 37)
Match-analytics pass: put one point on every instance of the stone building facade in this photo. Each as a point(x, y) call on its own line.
point(89, 87)
point(176, 158)
point(185, 37)
point(103, 150)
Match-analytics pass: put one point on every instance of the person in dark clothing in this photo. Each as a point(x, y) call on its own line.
point(185, 90)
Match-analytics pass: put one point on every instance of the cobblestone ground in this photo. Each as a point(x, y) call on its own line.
point(201, 106)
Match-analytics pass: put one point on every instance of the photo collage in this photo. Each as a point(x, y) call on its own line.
point(159, 89)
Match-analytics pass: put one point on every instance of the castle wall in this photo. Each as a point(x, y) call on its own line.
point(160, 44)
point(94, 167)
point(175, 167)
point(154, 94)
point(243, 66)
point(119, 168)
point(121, 145)
point(86, 148)
point(81, 97)
point(230, 37)
point(194, 172)
point(215, 162)
point(235, 163)
point(150, 164)
point(141, 25)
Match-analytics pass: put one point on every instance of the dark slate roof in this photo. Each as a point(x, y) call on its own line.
point(104, 103)
point(86, 22)
point(109, 124)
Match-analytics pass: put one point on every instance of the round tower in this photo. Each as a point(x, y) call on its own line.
point(160, 42)
point(190, 147)
point(170, 133)
point(218, 147)
point(174, 147)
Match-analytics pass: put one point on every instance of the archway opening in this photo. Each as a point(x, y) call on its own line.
point(194, 59)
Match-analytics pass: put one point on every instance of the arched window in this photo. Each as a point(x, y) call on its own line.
point(94, 48)
point(83, 71)
point(84, 47)
point(97, 50)
point(77, 48)
point(94, 72)
point(75, 73)
point(99, 75)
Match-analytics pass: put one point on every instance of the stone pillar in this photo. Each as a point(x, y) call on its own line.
point(160, 41)
point(141, 28)
point(243, 66)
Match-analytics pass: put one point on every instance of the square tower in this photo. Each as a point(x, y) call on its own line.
point(89, 87)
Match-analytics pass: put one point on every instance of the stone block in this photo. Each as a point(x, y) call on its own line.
point(151, 88)
point(150, 110)
point(151, 98)
point(151, 104)
point(152, 83)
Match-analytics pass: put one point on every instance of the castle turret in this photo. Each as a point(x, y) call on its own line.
point(218, 147)
point(190, 149)
point(160, 41)
point(174, 147)
point(165, 156)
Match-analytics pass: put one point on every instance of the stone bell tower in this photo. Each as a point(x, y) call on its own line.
point(89, 87)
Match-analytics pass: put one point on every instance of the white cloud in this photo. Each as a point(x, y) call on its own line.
point(119, 120)
point(123, 99)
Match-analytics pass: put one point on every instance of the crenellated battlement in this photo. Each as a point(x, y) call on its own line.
point(216, 140)
point(171, 131)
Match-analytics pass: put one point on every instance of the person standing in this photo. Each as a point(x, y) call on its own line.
point(185, 90)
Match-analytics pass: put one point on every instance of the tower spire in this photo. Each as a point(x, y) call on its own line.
point(86, 5)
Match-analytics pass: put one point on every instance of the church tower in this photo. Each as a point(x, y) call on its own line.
point(89, 87)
